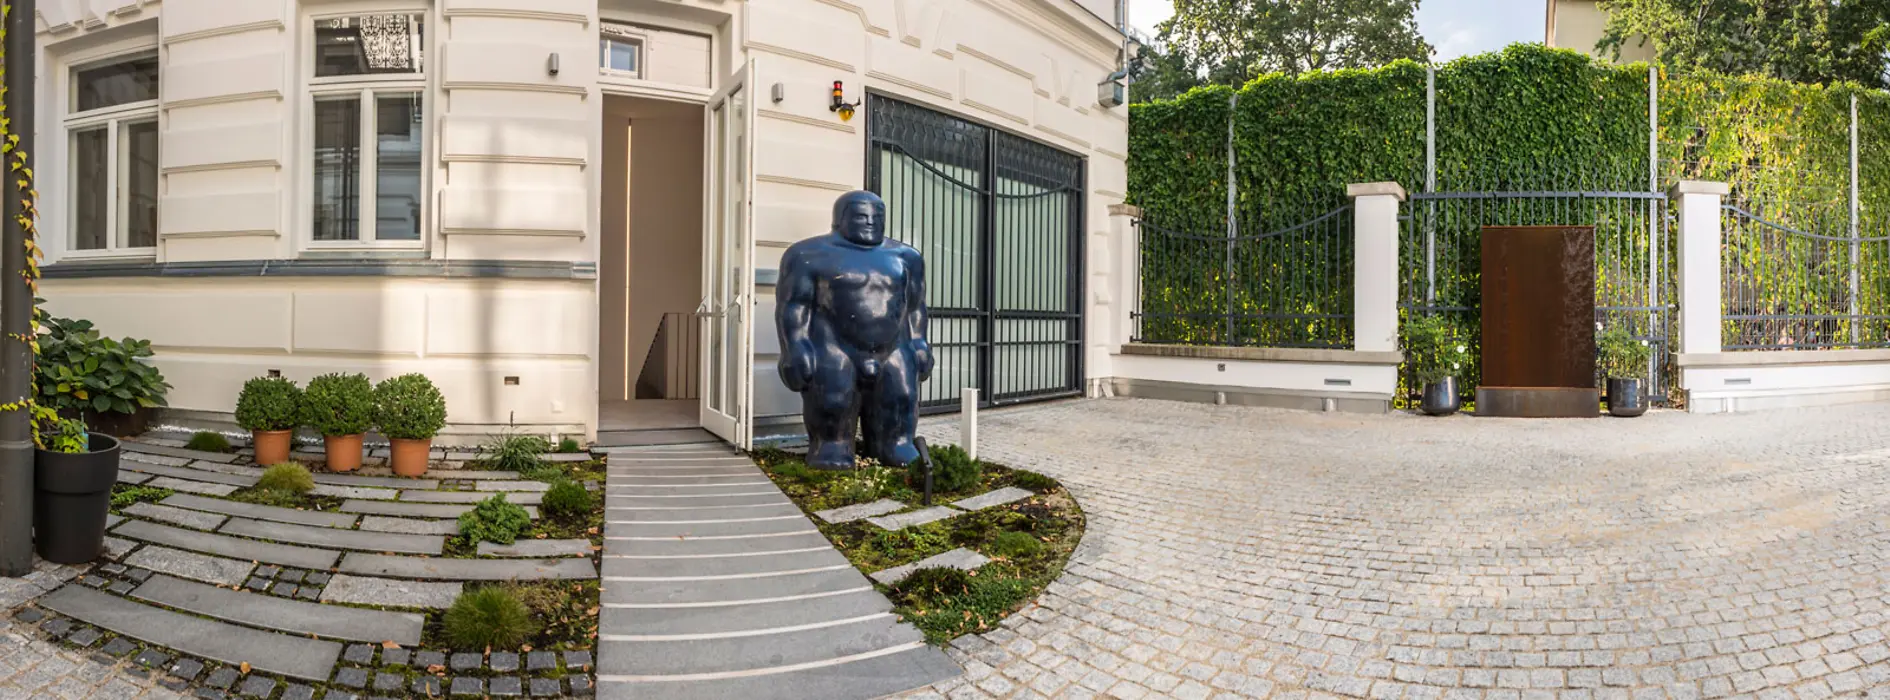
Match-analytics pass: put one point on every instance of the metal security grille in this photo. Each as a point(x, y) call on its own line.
point(999, 219)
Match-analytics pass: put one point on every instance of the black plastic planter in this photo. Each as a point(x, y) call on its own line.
point(1625, 398)
point(71, 496)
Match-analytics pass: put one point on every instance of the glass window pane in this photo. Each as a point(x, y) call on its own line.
point(621, 55)
point(397, 167)
point(338, 169)
point(91, 188)
point(123, 82)
point(369, 44)
point(138, 160)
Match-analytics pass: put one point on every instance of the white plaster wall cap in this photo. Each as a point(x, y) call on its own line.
point(1374, 189)
point(1701, 187)
point(1128, 210)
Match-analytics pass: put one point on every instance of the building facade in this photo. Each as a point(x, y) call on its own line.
point(554, 207)
point(1580, 24)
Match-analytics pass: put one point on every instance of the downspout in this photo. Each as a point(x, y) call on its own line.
point(1122, 26)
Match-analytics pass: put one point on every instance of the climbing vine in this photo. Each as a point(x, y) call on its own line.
point(20, 176)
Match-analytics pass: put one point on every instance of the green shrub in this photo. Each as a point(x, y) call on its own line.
point(953, 469)
point(864, 485)
point(54, 434)
point(1012, 545)
point(124, 495)
point(76, 369)
point(339, 404)
point(519, 453)
point(566, 499)
point(931, 585)
point(287, 477)
point(1430, 348)
point(1026, 479)
point(206, 441)
point(494, 520)
point(269, 403)
point(569, 446)
point(409, 407)
point(489, 617)
point(1620, 355)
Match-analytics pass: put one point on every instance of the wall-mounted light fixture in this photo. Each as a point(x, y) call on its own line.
point(551, 64)
point(777, 92)
point(840, 103)
point(1109, 93)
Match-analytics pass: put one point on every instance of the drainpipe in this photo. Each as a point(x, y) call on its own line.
point(1122, 25)
point(16, 310)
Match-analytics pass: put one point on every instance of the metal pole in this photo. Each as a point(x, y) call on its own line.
point(1430, 185)
point(1653, 220)
point(1856, 243)
point(16, 308)
point(1233, 222)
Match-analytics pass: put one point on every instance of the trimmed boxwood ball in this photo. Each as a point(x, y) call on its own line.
point(207, 441)
point(494, 520)
point(488, 617)
point(339, 404)
point(566, 499)
point(953, 469)
point(287, 477)
point(409, 407)
point(269, 403)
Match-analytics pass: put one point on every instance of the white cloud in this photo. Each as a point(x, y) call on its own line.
point(1145, 14)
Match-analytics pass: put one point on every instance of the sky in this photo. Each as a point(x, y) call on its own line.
point(1455, 27)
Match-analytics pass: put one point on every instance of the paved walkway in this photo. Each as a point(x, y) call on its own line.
point(1239, 552)
point(717, 586)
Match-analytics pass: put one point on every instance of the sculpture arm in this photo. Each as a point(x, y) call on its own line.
point(793, 321)
point(916, 316)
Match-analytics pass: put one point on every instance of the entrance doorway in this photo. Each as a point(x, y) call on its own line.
point(650, 273)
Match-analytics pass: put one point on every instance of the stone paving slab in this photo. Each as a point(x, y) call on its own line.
point(623, 568)
point(724, 619)
point(565, 457)
point(148, 448)
point(901, 521)
point(383, 482)
point(537, 548)
point(336, 539)
point(960, 558)
point(261, 512)
point(176, 516)
point(639, 515)
point(229, 572)
point(410, 526)
point(833, 579)
point(851, 513)
point(367, 492)
point(525, 499)
point(651, 472)
point(1008, 494)
point(641, 481)
point(159, 460)
point(770, 497)
point(113, 519)
point(117, 547)
point(616, 543)
point(438, 569)
point(327, 621)
point(362, 590)
point(752, 652)
point(191, 474)
point(286, 555)
point(739, 527)
point(498, 485)
point(872, 675)
point(132, 478)
point(267, 651)
point(413, 510)
point(446, 474)
point(196, 487)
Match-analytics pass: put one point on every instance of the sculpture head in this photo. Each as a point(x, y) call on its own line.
point(860, 218)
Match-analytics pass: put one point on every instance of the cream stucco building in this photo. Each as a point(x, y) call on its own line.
point(1580, 24)
point(568, 212)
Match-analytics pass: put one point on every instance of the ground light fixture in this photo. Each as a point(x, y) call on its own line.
point(840, 104)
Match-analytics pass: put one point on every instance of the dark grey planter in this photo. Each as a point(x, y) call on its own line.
point(72, 493)
point(1440, 397)
point(1625, 398)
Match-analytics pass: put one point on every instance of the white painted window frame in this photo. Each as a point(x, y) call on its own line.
point(366, 88)
point(113, 119)
point(627, 33)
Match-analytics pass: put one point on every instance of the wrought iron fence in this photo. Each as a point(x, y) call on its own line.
point(1794, 276)
point(1286, 288)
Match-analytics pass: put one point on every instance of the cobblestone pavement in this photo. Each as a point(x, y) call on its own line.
point(1240, 552)
point(31, 669)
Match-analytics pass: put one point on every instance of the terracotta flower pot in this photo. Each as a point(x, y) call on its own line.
point(272, 446)
point(410, 456)
point(344, 452)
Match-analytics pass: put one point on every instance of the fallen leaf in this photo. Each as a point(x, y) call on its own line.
point(390, 644)
point(245, 667)
point(436, 669)
point(527, 647)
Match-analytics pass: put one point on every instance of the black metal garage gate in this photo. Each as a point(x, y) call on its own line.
point(999, 219)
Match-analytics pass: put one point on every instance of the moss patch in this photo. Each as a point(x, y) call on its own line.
point(284, 499)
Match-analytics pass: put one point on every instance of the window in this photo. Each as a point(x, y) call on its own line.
point(113, 140)
point(621, 47)
point(368, 120)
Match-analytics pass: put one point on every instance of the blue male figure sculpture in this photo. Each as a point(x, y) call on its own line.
point(851, 315)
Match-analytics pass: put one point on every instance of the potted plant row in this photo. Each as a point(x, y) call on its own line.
point(409, 410)
point(1435, 358)
point(1623, 361)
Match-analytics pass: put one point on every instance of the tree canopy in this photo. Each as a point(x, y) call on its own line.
point(1232, 41)
point(1813, 41)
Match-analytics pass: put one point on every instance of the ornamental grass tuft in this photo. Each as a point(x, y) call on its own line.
point(488, 618)
point(287, 477)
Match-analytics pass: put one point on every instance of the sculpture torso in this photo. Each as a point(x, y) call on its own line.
point(860, 293)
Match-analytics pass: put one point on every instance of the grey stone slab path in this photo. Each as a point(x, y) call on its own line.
point(855, 512)
point(524, 499)
point(537, 548)
point(153, 449)
point(382, 482)
point(367, 492)
point(413, 510)
point(132, 478)
point(336, 539)
point(1008, 494)
point(437, 569)
point(203, 567)
point(514, 485)
point(196, 487)
point(177, 516)
point(900, 521)
point(207, 477)
point(116, 547)
point(410, 526)
point(715, 588)
point(364, 590)
point(327, 621)
point(447, 474)
point(295, 657)
point(223, 545)
point(960, 558)
point(261, 512)
point(112, 519)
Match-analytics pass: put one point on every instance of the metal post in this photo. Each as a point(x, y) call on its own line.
point(1856, 242)
point(968, 420)
point(1653, 221)
point(1430, 185)
point(16, 308)
point(1233, 222)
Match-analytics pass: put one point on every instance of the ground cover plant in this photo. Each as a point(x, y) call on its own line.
point(125, 495)
point(206, 441)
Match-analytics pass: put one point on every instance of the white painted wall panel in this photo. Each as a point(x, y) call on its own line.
point(231, 211)
point(520, 7)
point(372, 321)
point(234, 75)
point(471, 137)
point(264, 246)
point(678, 58)
point(811, 29)
point(1291, 376)
point(199, 318)
point(192, 16)
point(244, 143)
point(494, 63)
point(998, 93)
point(509, 209)
point(511, 322)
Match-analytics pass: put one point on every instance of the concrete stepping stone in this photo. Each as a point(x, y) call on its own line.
point(336, 539)
point(651, 470)
point(229, 572)
point(901, 521)
point(513, 486)
point(369, 492)
point(233, 547)
point(438, 569)
point(362, 590)
point(628, 568)
point(729, 528)
point(410, 526)
point(295, 657)
point(615, 514)
point(132, 478)
point(745, 500)
point(261, 512)
point(725, 619)
point(383, 482)
point(1008, 494)
point(446, 474)
point(623, 545)
point(116, 548)
point(176, 516)
point(751, 652)
point(152, 449)
point(537, 548)
point(864, 510)
point(870, 675)
point(687, 489)
point(196, 487)
point(326, 621)
point(220, 468)
point(642, 481)
point(191, 474)
point(413, 510)
point(565, 457)
point(960, 558)
point(524, 499)
point(835, 579)
point(112, 520)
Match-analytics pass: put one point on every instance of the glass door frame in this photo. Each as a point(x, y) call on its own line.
point(728, 258)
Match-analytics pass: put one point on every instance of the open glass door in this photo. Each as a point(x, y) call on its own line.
point(728, 255)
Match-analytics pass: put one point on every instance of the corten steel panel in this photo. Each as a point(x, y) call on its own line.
point(1539, 307)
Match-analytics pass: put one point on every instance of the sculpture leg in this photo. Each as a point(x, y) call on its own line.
point(892, 416)
point(831, 409)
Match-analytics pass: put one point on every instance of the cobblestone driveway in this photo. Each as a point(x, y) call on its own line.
point(1253, 553)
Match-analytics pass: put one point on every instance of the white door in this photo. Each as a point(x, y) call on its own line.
point(728, 256)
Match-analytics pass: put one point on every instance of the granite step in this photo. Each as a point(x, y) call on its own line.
point(447, 474)
point(738, 500)
point(413, 510)
point(677, 472)
point(261, 512)
point(627, 489)
point(829, 640)
point(537, 549)
point(361, 492)
point(328, 621)
point(202, 567)
point(624, 568)
point(410, 526)
point(336, 539)
point(675, 547)
point(176, 516)
point(736, 590)
point(233, 547)
point(524, 499)
point(438, 569)
point(742, 617)
point(307, 659)
point(734, 527)
point(874, 674)
point(148, 448)
point(187, 473)
point(188, 486)
point(639, 481)
point(616, 514)
point(381, 482)
point(130, 478)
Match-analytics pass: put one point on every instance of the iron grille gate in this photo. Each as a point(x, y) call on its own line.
point(999, 219)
